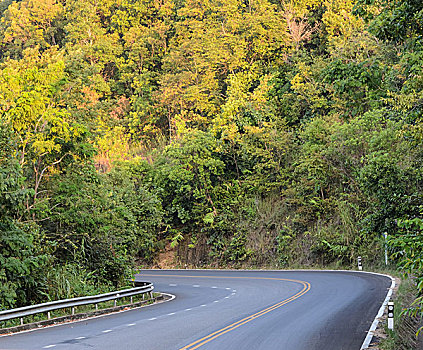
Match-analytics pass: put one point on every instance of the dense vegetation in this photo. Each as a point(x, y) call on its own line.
point(235, 132)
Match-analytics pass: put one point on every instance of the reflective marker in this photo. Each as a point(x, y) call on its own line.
point(360, 266)
point(391, 315)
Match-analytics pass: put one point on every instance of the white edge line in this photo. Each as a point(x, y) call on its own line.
point(91, 318)
point(375, 323)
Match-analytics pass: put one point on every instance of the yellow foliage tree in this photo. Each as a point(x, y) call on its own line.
point(42, 127)
point(216, 40)
point(29, 23)
point(340, 22)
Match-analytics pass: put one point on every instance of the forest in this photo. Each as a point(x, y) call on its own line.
point(231, 133)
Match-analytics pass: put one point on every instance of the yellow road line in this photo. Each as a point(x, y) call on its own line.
point(214, 335)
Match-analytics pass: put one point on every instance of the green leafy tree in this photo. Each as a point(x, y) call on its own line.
point(21, 258)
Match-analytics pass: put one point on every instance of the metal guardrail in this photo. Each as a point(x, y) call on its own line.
point(141, 288)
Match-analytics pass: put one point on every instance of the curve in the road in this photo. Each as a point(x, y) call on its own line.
point(213, 310)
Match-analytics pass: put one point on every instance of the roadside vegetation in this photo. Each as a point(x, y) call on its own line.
point(233, 133)
point(406, 322)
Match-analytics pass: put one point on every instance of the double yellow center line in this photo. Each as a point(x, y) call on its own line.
point(214, 335)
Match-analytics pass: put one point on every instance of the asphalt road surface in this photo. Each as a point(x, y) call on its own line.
point(231, 310)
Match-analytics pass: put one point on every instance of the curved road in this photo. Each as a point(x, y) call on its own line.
point(231, 310)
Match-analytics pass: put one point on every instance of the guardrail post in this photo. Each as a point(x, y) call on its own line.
point(73, 310)
point(22, 321)
point(131, 299)
point(391, 315)
point(48, 315)
point(96, 307)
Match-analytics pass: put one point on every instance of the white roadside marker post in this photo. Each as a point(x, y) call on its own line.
point(360, 266)
point(385, 234)
point(391, 315)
